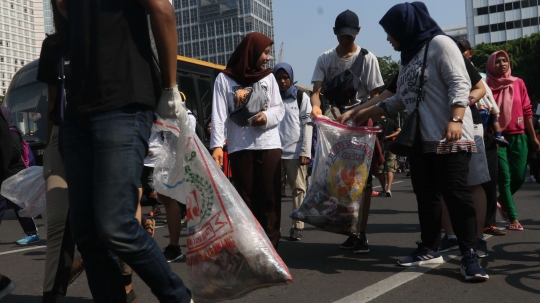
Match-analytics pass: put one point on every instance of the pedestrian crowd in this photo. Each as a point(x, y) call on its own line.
point(105, 91)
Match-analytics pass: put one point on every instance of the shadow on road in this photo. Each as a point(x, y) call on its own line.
point(37, 299)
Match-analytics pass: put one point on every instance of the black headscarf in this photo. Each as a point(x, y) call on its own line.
point(412, 26)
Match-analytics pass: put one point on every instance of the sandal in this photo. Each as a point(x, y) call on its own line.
point(150, 225)
point(515, 226)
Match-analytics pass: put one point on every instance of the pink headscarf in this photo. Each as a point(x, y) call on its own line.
point(504, 85)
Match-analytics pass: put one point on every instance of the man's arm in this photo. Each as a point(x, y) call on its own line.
point(374, 93)
point(394, 134)
point(374, 100)
point(164, 29)
point(315, 99)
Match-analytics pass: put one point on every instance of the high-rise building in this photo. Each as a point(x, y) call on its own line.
point(499, 21)
point(48, 17)
point(457, 31)
point(210, 30)
point(21, 34)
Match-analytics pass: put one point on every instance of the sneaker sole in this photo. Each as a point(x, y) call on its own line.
point(438, 260)
point(481, 254)
point(474, 278)
point(28, 243)
point(346, 247)
point(179, 257)
point(361, 251)
point(9, 288)
point(449, 248)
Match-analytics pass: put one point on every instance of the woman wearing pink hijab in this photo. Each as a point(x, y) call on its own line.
point(515, 117)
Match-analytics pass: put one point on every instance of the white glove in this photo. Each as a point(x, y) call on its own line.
point(170, 104)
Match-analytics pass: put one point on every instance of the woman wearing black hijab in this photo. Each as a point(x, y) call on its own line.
point(254, 150)
point(440, 166)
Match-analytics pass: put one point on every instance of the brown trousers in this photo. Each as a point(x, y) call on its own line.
point(257, 178)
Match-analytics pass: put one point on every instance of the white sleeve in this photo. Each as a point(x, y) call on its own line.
point(220, 113)
point(305, 109)
point(392, 105)
point(275, 111)
point(449, 60)
point(318, 73)
point(193, 123)
point(306, 126)
point(494, 108)
point(371, 74)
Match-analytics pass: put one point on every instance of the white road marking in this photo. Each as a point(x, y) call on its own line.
point(392, 183)
point(23, 249)
point(371, 292)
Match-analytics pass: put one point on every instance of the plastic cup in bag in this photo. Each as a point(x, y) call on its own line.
point(340, 171)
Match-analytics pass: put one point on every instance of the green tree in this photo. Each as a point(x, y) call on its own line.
point(389, 68)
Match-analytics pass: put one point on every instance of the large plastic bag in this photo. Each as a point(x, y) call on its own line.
point(340, 171)
point(27, 190)
point(228, 253)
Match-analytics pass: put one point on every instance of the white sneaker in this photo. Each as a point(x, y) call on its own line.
point(532, 179)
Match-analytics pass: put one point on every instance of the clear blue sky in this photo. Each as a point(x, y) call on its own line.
point(305, 26)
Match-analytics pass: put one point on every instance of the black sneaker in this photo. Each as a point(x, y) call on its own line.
point(481, 248)
point(349, 243)
point(448, 244)
point(421, 256)
point(361, 246)
point(295, 234)
point(470, 267)
point(408, 173)
point(172, 253)
point(6, 286)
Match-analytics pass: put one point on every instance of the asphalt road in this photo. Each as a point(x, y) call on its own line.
point(324, 273)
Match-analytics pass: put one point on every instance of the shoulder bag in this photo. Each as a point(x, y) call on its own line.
point(408, 141)
point(255, 103)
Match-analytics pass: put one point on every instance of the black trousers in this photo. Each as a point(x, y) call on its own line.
point(257, 178)
point(434, 175)
point(490, 187)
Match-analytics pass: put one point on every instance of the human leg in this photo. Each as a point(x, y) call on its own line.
point(452, 176)
point(391, 167)
point(490, 187)
point(60, 245)
point(118, 147)
point(503, 180)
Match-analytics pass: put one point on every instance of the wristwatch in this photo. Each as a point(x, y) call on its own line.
point(456, 119)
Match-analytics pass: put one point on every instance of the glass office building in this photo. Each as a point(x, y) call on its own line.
point(210, 30)
point(21, 33)
point(499, 21)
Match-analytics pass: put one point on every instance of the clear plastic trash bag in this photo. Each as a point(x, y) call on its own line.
point(228, 252)
point(27, 190)
point(340, 171)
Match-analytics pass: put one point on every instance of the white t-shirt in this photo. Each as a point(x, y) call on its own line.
point(240, 138)
point(291, 128)
point(330, 65)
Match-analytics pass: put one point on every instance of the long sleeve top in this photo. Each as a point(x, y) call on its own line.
point(296, 129)
point(226, 92)
point(521, 109)
point(446, 84)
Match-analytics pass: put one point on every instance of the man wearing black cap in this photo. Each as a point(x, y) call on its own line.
point(331, 64)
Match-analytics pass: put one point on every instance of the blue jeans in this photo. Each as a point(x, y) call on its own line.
point(104, 156)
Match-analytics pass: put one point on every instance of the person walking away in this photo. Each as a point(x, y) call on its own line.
point(296, 131)
point(515, 117)
point(390, 130)
point(112, 97)
point(13, 139)
point(329, 65)
point(443, 108)
point(254, 149)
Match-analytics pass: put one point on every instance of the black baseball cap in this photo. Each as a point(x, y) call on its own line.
point(347, 24)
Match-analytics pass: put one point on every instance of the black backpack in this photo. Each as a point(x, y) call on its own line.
point(344, 86)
